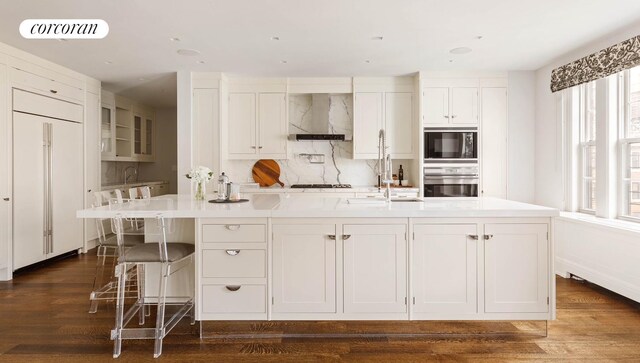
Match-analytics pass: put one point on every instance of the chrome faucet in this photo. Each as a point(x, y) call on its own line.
point(384, 167)
point(126, 170)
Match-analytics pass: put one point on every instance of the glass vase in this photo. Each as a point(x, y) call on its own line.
point(201, 190)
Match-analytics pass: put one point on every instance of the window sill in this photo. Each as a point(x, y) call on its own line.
point(615, 225)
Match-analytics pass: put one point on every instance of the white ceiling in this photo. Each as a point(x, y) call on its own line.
point(317, 37)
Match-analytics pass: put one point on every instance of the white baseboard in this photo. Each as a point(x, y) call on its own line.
point(613, 283)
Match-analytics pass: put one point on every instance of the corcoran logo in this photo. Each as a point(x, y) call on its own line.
point(64, 28)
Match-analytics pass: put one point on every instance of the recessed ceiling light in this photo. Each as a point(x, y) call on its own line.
point(283, 61)
point(108, 62)
point(201, 62)
point(479, 37)
point(61, 40)
point(174, 39)
point(188, 52)
point(275, 38)
point(377, 37)
point(367, 61)
point(450, 60)
point(460, 50)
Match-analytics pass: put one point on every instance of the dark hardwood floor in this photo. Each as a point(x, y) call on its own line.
point(43, 318)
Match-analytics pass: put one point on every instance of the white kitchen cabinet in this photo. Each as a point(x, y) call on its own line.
point(48, 185)
point(143, 134)
point(206, 121)
point(445, 273)
point(5, 192)
point(494, 142)
point(450, 106)
point(108, 131)
point(398, 111)
point(516, 268)
point(127, 130)
point(257, 126)
point(390, 111)
point(368, 120)
point(375, 268)
point(304, 268)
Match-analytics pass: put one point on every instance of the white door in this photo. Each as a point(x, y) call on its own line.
point(5, 205)
point(445, 273)
point(304, 268)
point(435, 106)
point(464, 105)
point(242, 141)
point(398, 109)
point(367, 122)
point(92, 162)
point(494, 142)
point(375, 268)
point(272, 125)
point(29, 153)
point(66, 186)
point(516, 275)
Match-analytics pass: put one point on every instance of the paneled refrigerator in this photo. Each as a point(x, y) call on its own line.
point(47, 177)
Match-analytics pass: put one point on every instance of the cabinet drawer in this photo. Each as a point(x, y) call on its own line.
point(245, 299)
point(47, 85)
point(215, 233)
point(234, 263)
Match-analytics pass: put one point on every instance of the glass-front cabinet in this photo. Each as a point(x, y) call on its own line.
point(127, 130)
point(107, 131)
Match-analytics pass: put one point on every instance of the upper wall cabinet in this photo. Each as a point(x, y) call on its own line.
point(127, 130)
point(450, 103)
point(257, 126)
point(383, 104)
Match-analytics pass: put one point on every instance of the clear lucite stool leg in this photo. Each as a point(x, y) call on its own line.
point(161, 305)
point(116, 334)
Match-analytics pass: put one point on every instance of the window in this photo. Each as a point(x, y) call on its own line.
point(630, 146)
point(588, 147)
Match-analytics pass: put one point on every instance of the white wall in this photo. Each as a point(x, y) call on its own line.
point(520, 139)
point(549, 190)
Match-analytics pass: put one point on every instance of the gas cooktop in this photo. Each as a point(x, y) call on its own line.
point(321, 186)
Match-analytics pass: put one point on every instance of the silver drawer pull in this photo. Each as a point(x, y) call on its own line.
point(233, 287)
point(473, 236)
point(232, 227)
point(346, 236)
point(53, 91)
point(488, 236)
point(332, 236)
point(232, 252)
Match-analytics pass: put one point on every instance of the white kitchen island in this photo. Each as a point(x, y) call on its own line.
point(285, 257)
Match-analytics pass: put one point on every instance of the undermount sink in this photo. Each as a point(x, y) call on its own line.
point(381, 200)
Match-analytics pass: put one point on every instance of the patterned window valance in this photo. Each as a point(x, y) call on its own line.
point(601, 64)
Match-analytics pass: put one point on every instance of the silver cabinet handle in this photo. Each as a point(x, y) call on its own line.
point(488, 236)
point(473, 236)
point(346, 236)
point(332, 236)
point(253, 147)
point(232, 227)
point(53, 91)
point(259, 147)
point(232, 252)
point(445, 116)
point(88, 190)
point(6, 199)
point(454, 116)
point(233, 287)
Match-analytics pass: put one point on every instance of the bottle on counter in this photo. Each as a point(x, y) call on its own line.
point(400, 174)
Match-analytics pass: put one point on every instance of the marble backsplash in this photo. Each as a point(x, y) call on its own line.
point(113, 172)
point(307, 115)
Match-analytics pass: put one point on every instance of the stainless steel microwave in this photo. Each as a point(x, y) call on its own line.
point(444, 145)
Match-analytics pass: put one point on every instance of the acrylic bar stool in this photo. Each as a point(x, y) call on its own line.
point(140, 193)
point(170, 258)
point(104, 284)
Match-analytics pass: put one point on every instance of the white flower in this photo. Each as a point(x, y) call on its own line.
point(200, 174)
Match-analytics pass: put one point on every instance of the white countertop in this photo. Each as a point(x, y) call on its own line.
point(291, 206)
point(131, 185)
point(354, 189)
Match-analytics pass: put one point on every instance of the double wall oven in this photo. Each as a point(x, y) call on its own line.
point(451, 162)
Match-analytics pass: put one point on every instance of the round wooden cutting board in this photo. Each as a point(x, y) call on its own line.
point(266, 172)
